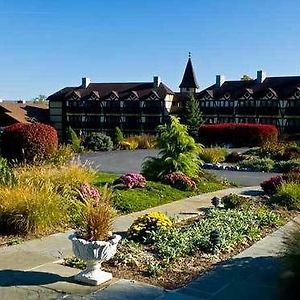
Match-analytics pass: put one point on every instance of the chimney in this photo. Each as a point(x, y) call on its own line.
point(220, 79)
point(85, 82)
point(261, 76)
point(156, 81)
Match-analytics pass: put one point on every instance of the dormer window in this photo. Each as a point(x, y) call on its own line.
point(271, 94)
point(226, 95)
point(153, 96)
point(114, 96)
point(133, 96)
point(75, 96)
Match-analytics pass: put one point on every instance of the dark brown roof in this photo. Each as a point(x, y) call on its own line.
point(120, 90)
point(25, 112)
point(282, 87)
point(189, 78)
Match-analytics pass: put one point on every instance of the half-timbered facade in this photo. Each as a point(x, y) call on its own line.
point(139, 107)
point(266, 100)
point(133, 107)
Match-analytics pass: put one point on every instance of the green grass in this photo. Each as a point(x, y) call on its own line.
point(154, 194)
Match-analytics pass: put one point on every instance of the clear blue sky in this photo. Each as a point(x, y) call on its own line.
point(48, 44)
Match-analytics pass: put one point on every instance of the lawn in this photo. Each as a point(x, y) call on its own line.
point(154, 194)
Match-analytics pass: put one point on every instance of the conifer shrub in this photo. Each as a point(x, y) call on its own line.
point(28, 141)
point(75, 141)
point(98, 142)
point(179, 152)
point(117, 137)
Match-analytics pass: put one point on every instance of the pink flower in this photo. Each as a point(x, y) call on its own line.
point(132, 180)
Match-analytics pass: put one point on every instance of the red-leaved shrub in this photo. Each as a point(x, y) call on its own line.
point(180, 181)
point(243, 134)
point(271, 186)
point(28, 141)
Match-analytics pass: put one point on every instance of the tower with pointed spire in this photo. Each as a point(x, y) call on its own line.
point(189, 82)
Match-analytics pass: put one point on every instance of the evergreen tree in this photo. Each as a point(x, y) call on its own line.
point(192, 116)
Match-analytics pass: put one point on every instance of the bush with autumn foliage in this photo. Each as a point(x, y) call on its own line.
point(246, 134)
point(28, 141)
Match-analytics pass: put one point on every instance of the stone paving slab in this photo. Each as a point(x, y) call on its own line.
point(28, 293)
point(128, 289)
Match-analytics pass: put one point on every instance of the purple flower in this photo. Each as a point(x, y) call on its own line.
point(132, 180)
point(180, 181)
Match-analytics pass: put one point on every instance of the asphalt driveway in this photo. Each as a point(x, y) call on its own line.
point(130, 161)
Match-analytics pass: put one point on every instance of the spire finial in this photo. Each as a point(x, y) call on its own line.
point(190, 54)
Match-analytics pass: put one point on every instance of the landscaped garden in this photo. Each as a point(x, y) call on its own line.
point(43, 189)
point(40, 183)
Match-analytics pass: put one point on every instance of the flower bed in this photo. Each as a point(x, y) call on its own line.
point(172, 257)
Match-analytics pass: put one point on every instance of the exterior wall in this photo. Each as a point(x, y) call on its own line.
point(56, 116)
point(285, 114)
point(132, 116)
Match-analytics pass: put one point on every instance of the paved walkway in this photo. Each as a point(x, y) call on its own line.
point(32, 270)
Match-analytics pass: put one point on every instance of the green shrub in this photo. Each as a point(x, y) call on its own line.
point(179, 152)
point(63, 155)
point(234, 201)
point(75, 141)
point(288, 196)
point(261, 164)
point(213, 155)
point(285, 166)
point(98, 142)
point(6, 174)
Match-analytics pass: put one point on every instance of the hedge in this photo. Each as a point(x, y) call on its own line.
point(246, 134)
point(28, 141)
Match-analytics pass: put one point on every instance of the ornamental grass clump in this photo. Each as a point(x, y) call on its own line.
point(180, 181)
point(145, 225)
point(132, 180)
point(97, 214)
point(30, 209)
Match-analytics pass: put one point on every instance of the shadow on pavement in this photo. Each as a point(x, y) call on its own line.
point(253, 193)
point(21, 278)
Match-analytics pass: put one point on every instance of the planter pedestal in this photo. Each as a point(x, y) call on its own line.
point(93, 275)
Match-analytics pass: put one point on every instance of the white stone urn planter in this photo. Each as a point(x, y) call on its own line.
point(94, 253)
